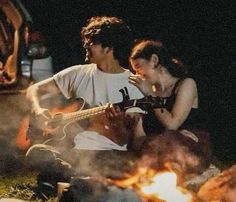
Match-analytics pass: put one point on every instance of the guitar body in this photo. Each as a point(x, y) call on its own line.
point(30, 133)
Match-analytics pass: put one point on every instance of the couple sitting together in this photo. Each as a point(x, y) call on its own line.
point(173, 130)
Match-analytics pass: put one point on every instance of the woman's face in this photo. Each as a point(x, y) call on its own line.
point(145, 68)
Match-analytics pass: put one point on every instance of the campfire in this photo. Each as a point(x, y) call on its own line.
point(164, 186)
point(157, 186)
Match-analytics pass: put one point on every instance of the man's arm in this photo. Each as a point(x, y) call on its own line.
point(36, 91)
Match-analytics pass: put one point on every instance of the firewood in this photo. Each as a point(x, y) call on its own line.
point(221, 187)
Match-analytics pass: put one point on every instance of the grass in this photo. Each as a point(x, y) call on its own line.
point(21, 185)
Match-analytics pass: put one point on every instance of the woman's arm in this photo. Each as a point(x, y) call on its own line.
point(186, 98)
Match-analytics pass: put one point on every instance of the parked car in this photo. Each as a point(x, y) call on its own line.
point(23, 51)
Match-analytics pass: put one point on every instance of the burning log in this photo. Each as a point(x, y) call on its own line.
point(221, 187)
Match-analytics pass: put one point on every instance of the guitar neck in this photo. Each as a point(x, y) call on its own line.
point(88, 113)
point(145, 103)
point(83, 114)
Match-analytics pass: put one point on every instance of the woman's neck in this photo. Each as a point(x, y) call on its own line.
point(166, 86)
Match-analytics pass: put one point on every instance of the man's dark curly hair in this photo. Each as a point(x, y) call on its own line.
point(109, 32)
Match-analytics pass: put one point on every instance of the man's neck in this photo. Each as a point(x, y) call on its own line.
point(111, 66)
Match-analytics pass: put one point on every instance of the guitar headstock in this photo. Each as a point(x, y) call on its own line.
point(147, 103)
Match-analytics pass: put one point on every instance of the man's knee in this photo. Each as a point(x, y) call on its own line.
point(40, 155)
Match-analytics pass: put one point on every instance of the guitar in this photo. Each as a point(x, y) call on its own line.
point(66, 119)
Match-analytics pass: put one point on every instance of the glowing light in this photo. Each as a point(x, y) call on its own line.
point(164, 186)
point(157, 186)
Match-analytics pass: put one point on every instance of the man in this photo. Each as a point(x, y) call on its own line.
point(107, 43)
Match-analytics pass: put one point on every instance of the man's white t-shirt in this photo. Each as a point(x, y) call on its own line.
point(96, 88)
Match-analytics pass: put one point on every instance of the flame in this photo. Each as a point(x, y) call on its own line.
point(164, 186)
point(22, 142)
point(157, 186)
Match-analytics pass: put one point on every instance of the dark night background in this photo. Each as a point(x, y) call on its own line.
point(201, 33)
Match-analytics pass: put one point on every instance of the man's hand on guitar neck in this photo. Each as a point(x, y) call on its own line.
point(114, 114)
point(118, 118)
point(123, 124)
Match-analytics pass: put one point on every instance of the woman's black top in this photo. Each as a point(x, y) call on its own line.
point(195, 120)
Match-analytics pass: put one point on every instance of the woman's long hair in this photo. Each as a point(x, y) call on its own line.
point(146, 48)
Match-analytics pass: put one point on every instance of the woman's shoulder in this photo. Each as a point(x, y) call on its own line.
point(187, 85)
point(188, 82)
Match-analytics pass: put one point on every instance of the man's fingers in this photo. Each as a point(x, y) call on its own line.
point(117, 109)
point(46, 114)
point(108, 111)
point(112, 112)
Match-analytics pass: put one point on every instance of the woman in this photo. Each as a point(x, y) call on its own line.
point(177, 131)
point(160, 74)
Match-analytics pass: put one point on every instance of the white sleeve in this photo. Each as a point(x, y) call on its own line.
point(66, 80)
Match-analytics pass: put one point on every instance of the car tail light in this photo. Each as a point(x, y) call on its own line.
point(36, 37)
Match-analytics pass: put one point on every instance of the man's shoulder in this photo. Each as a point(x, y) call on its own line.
point(83, 66)
point(78, 69)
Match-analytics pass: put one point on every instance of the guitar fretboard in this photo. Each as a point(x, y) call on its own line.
point(84, 114)
point(143, 103)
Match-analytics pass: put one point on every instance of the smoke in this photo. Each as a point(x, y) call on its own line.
point(13, 108)
point(109, 164)
point(183, 153)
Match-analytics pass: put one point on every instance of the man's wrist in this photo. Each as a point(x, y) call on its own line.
point(36, 110)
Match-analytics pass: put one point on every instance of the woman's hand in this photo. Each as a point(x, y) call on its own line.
point(142, 84)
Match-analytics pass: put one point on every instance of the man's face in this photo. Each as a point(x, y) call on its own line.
point(95, 53)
